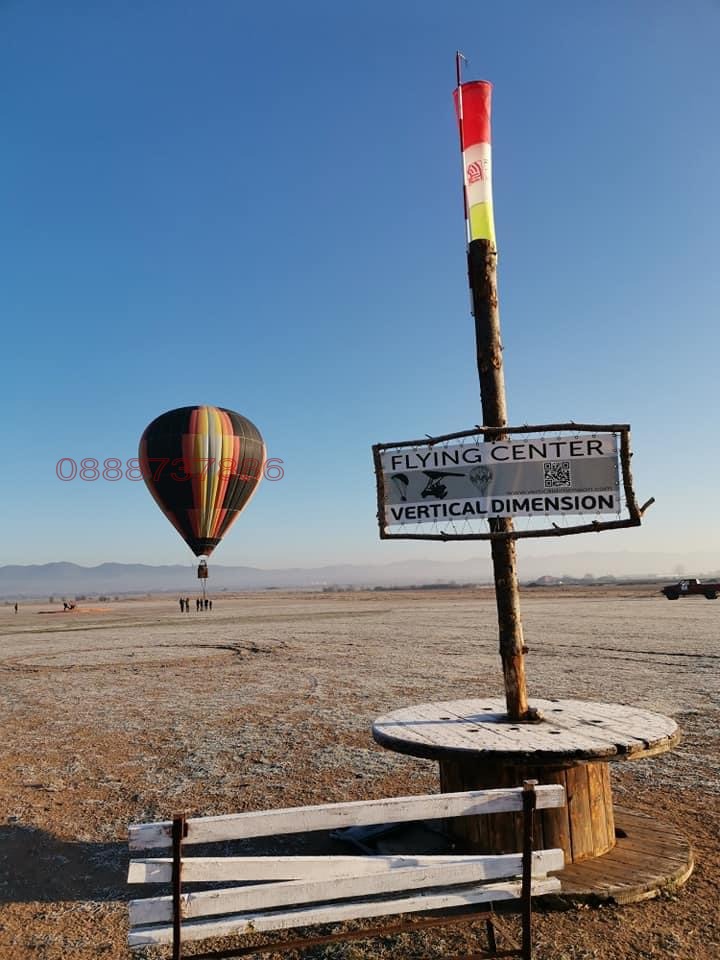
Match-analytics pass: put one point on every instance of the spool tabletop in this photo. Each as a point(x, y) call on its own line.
point(572, 730)
point(478, 747)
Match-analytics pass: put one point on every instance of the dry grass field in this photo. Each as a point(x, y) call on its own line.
point(131, 711)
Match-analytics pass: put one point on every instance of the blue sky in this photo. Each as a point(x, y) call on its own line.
point(260, 208)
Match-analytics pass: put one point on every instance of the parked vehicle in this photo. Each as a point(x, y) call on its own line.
point(689, 588)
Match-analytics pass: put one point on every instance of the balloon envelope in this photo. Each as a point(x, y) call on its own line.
point(202, 465)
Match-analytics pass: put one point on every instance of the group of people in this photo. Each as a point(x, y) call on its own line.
point(201, 603)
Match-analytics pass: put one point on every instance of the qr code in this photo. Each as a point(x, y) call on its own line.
point(557, 474)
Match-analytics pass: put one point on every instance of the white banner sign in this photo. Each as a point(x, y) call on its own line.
point(552, 476)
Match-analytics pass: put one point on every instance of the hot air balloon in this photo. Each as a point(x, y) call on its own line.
point(202, 465)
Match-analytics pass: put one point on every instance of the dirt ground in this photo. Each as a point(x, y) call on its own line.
point(131, 711)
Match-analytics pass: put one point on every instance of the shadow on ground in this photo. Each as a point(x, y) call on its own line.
point(36, 866)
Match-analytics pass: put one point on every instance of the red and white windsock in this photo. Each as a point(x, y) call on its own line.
point(472, 105)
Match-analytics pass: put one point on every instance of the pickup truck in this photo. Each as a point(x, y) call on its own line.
point(688, 588)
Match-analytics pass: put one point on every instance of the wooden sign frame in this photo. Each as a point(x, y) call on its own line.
point(492, 434)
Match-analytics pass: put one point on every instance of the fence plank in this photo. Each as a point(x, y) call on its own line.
point(335, 816)
point(221, 869)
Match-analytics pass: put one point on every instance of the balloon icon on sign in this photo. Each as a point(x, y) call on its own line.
point(480, 478)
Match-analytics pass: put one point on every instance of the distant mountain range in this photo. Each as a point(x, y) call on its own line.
point(71, 579)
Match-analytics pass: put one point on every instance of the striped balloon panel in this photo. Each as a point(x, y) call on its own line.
point(473, 106)
point(202, 466)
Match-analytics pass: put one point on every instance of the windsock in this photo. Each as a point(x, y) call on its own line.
point(472, 105)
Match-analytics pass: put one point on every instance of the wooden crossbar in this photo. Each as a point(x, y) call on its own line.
point(247, 869)
point(261, 922)
point(334, 816)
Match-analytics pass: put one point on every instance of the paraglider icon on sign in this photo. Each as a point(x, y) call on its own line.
point(202, 466)
point(434, 486)
point(401, 484)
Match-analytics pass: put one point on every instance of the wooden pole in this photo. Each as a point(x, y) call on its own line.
point(482, 272)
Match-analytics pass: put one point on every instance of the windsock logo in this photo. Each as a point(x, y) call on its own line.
point(478, 170)
point(472, 105)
